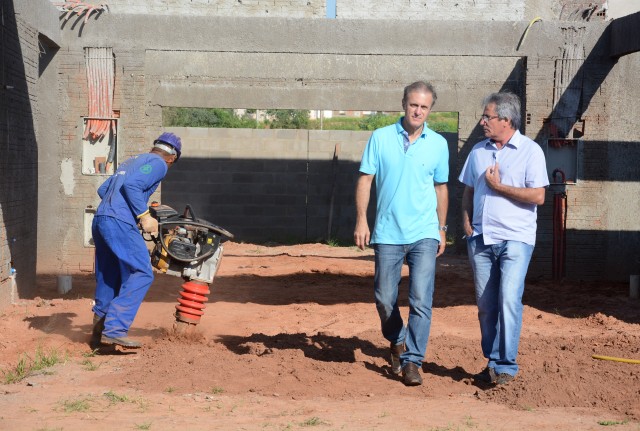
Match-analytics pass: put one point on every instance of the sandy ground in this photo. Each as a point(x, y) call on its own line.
point(290, 340)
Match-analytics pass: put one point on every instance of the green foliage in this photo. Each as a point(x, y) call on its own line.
point(287, 119)
point(438, 121)
point(443, 121)
point(377, 120)
point(335, 123)
point(205, 117)
point(294, 119)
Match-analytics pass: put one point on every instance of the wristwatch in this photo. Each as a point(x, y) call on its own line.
point(443, 228)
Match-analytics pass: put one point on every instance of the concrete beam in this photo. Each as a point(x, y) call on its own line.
point(370, 37)
point(625, 35)
point(41, 15)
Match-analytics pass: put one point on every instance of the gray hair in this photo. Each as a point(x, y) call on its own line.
point(507, 107)
point(421, 86)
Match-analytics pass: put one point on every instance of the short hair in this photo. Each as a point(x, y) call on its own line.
point(422, 86)
point(507, 106)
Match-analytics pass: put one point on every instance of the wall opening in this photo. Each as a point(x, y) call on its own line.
point(317, 119)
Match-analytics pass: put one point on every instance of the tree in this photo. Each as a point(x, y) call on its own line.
point(288, 118)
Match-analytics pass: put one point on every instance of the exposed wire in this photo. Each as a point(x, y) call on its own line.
point(80, 8)
point(100, 80)
point(527, 31)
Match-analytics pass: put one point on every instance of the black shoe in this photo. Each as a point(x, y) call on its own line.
point(121, 341)
point(504, 378)
point(411, 374)
point(98, 327)
point(488, 375)
point(396, 351)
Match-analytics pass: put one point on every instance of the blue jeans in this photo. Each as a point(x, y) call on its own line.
point(499, 271)
point(421, 258)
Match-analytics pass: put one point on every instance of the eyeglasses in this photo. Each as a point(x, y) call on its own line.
point(487, 118)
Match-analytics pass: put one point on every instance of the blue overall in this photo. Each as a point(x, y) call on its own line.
point(122, 264)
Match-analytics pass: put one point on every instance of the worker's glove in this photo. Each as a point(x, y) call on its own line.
point(149, 224)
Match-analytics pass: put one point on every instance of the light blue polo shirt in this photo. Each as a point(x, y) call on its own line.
point(406, 198)
point(522, 164)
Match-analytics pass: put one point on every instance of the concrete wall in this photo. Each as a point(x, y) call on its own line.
point(561, 70)
point(448, 10)
point(276, 186)
point(279, 185)
point(23, 103)
point(243, 8)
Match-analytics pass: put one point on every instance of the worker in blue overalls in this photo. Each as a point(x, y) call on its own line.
point(122, 263)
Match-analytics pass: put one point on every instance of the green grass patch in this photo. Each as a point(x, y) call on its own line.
point(79, 405)
point(90, 354)
point(314, 421)
point(115, 398)
point(337, 242)
point(89, 365)
point(612, 423)
point(26, 366)
point(143, 426)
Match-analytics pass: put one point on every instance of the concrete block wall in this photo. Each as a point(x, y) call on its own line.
point(79, 190)
point(19, 56)
point(273, 185)
point(268, 185)
point(597, 230)
point(255, 63)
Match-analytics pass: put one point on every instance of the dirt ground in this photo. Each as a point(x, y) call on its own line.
point(290, 340)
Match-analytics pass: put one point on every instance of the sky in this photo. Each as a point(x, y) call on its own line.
point(331, 8)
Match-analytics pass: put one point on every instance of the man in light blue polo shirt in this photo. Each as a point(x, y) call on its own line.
point(505, 177)
point(410, 164)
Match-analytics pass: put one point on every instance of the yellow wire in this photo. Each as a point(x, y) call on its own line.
point(611, 358)
point(527, 31)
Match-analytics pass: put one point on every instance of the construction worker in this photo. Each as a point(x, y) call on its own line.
point(122, 264)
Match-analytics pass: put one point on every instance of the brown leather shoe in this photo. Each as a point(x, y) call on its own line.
point(396, 351)
point(411, 374)
point(125, 342)
point(488, 375)
point(504, 378)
